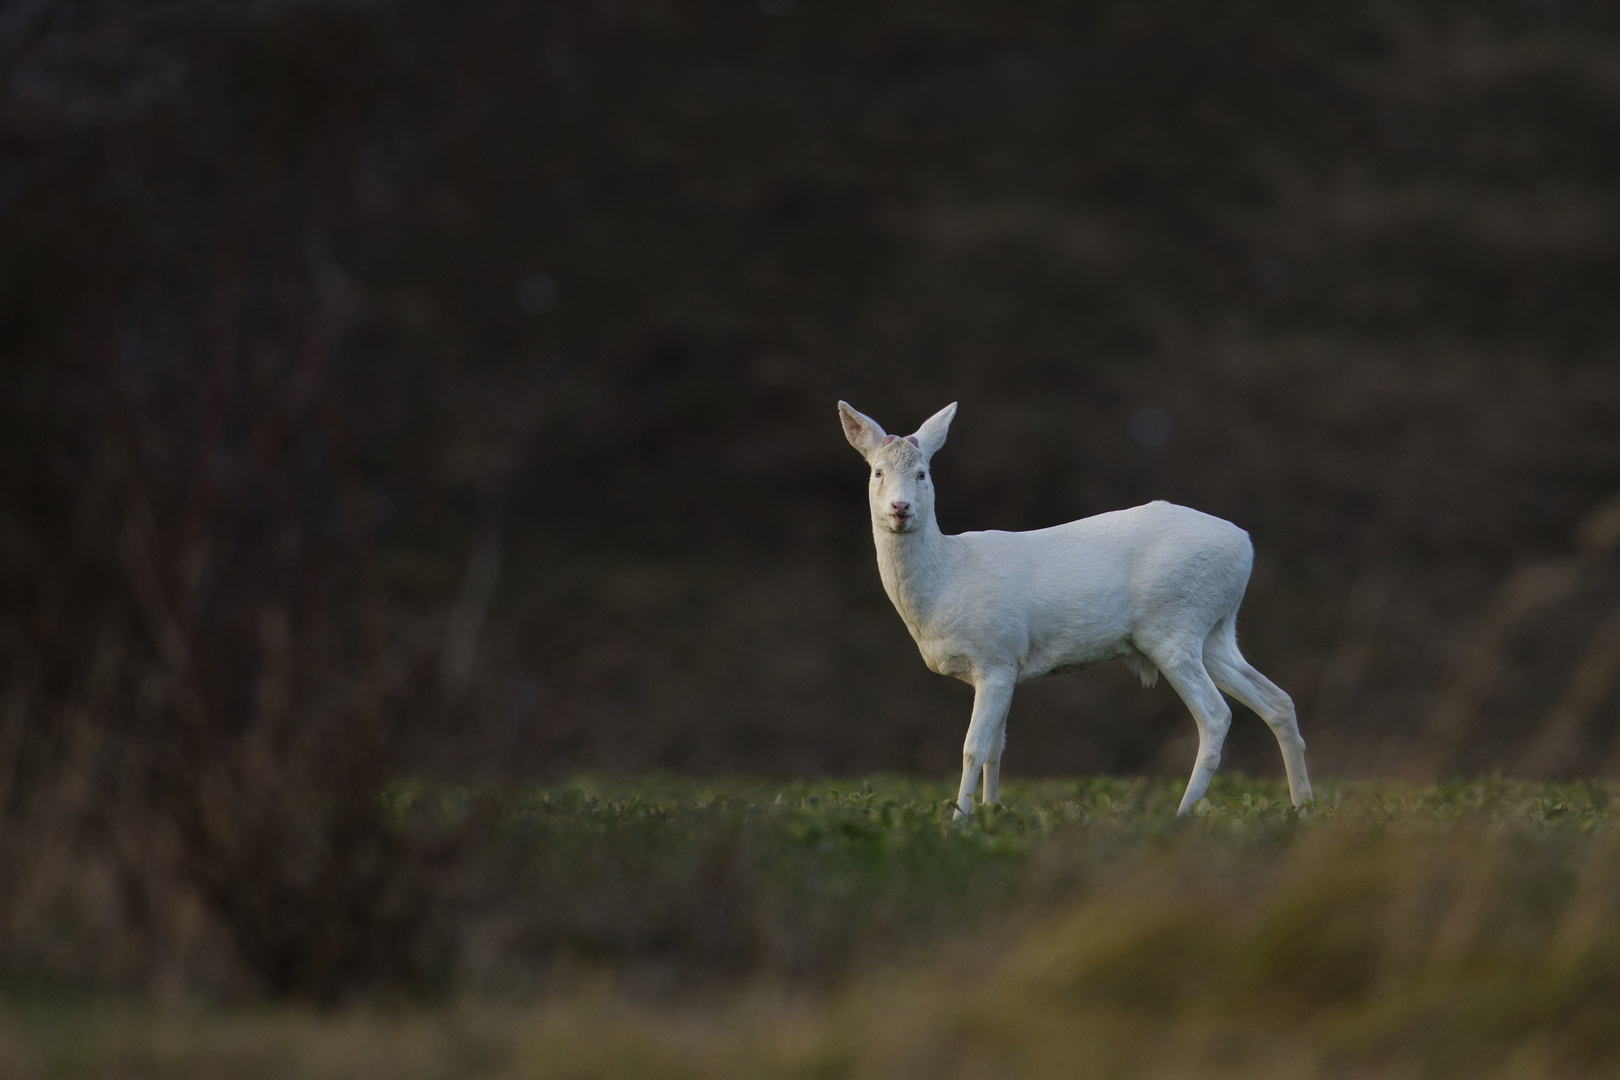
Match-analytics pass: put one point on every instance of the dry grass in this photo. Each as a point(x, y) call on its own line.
point(1401, 931)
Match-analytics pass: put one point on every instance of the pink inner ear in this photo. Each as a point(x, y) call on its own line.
point(912, 439)
point(887, 439)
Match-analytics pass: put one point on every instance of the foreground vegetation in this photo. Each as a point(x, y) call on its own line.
point(666, 928)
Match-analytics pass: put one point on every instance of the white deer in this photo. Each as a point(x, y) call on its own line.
point(1157, 586)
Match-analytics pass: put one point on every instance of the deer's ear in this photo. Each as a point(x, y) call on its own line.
point(931, 436)
point(862, 431)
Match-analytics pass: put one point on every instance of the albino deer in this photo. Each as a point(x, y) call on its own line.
point(1157, 586)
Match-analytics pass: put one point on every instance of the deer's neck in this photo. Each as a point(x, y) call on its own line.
point(913, 568)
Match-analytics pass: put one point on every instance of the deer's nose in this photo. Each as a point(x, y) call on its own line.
point(899, 507)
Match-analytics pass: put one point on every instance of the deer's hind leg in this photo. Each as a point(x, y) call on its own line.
point(1185, 672)
point(1238, 677)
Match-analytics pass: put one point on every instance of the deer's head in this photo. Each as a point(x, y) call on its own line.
point(901, 490)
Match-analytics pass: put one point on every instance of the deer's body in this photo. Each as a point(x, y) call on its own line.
point(1157, 586)
point(1065, 598)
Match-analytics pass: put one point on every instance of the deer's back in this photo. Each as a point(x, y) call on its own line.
point(1087, 588)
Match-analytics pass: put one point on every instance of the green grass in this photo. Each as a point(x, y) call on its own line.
point(662, 927)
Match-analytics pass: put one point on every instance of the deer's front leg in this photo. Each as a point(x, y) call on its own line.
point(986, 733)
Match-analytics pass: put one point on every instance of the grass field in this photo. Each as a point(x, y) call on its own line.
point(672, 928)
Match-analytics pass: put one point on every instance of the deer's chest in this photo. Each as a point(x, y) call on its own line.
point(947, 658)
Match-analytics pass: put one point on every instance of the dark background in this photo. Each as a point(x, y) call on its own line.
point(448, 388)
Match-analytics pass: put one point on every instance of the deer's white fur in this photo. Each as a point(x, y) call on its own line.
point(1157, 586)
